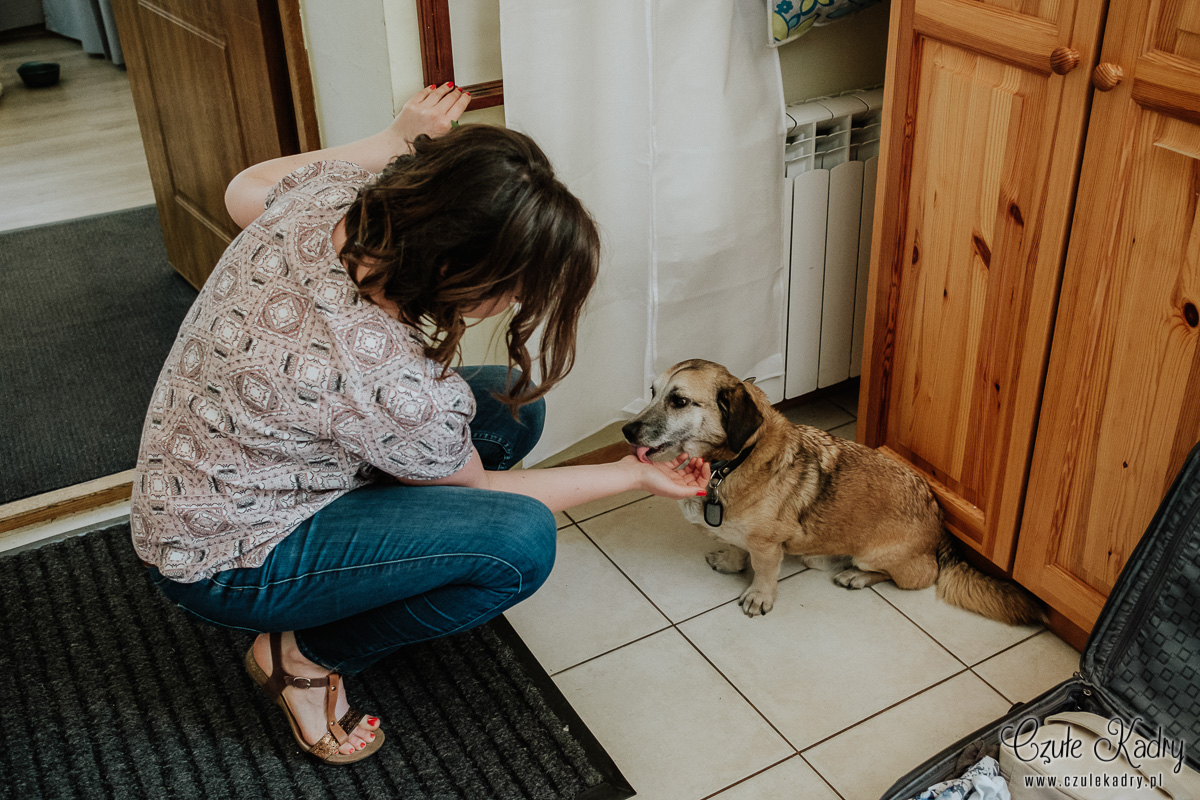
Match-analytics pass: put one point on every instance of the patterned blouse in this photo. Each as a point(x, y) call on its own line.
point(283, 391)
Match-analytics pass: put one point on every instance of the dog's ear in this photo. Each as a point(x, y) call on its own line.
point(739, 416)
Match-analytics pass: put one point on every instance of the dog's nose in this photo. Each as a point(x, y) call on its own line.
point(631, 430)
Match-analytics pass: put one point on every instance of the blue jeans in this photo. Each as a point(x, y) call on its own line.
point(388, 565)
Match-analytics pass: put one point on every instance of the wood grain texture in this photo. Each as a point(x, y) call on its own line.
point(1021, 39)
point(213, 96)
point(1121, 409)
point(300, 76)
point(981, 142)
point(69, 500)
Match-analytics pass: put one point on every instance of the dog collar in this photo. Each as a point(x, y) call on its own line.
point(714, 511)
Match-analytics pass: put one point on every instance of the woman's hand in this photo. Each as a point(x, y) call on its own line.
point(679, 479)
point(430, 111)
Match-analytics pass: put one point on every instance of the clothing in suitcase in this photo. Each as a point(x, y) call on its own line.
point(1141, 664)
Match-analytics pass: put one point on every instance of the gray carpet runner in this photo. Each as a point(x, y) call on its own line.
point(90, 309)
point(109, 691)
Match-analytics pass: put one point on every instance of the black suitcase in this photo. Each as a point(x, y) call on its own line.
point(1142, 659)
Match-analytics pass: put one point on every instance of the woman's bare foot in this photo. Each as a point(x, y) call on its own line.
point(308, 705)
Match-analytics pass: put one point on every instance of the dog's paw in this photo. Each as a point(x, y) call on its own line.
point(858, 579)
point(756, 602)
point(727, 559)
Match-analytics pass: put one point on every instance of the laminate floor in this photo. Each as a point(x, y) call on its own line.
point(70, 150)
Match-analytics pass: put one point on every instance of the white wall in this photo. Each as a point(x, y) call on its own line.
point(831, 59)
point(351, 67)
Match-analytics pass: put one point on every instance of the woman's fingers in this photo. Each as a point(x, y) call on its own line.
point(446, 102)
point(438, 93)
point(460, 105)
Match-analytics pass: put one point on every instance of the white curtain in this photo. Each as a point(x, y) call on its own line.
point(666, 118)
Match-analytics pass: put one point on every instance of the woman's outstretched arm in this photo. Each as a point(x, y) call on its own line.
point(430, 111)
point(565, 487)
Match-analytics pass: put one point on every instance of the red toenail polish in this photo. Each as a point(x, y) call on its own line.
point(372, 736)
point(373, 721)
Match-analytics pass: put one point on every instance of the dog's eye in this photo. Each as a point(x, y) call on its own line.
point(679, 402)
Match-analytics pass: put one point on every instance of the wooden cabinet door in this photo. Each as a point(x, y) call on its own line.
point(210, 84)
point(1122, 400)
point(981, 146)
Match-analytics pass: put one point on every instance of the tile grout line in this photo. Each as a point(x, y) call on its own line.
point(817, 772)
point(606, 511)
point(672, 625)
point(617, 567)
point(590, 659)
point(1010, 647)
point(993, 688)
point(740, 781)
point(642, 592)
point(734, 686)
point(970, 667)
point(675, 626)
point(669, 622)
point(1005, 650)
point(918, 627)
point(884, 710)
point(686, 620)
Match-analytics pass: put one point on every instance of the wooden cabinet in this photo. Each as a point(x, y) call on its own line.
point(1122, 401)
point(985, 113)
point(981, 143)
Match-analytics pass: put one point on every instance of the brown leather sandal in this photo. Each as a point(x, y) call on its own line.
point(326, 749)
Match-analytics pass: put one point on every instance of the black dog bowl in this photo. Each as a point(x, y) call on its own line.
point(38, 74)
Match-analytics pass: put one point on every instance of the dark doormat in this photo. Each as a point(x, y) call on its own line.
point(108, 690)
point(90, 309)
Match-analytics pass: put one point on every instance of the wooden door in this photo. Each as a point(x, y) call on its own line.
point(211, 86)
point(1122, 399)
point(983, 118)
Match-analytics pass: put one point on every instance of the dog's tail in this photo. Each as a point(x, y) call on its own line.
point(960, 584)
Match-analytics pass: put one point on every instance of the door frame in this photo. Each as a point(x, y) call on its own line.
point(106, 490)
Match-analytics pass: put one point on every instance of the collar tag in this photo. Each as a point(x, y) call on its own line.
point(714, 512)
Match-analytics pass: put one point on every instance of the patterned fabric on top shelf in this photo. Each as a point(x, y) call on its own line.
point(792, 18)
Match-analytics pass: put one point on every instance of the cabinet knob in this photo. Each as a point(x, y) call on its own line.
point(1063, 60)
point(1106, 76)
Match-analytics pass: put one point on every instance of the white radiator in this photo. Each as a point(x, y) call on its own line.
point(831, 162)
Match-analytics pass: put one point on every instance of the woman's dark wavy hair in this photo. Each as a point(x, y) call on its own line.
point(468, 217)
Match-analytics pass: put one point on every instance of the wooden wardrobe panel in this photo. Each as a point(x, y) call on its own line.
point(981, 143)
point(211, 87)
point(1122, 399)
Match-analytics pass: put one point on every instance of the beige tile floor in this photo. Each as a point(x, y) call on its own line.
point(70, 150)
point(833, 694)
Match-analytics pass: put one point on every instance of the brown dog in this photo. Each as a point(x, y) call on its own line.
point(804, 492)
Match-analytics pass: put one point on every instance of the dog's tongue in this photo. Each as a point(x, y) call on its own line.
point(641, 454)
